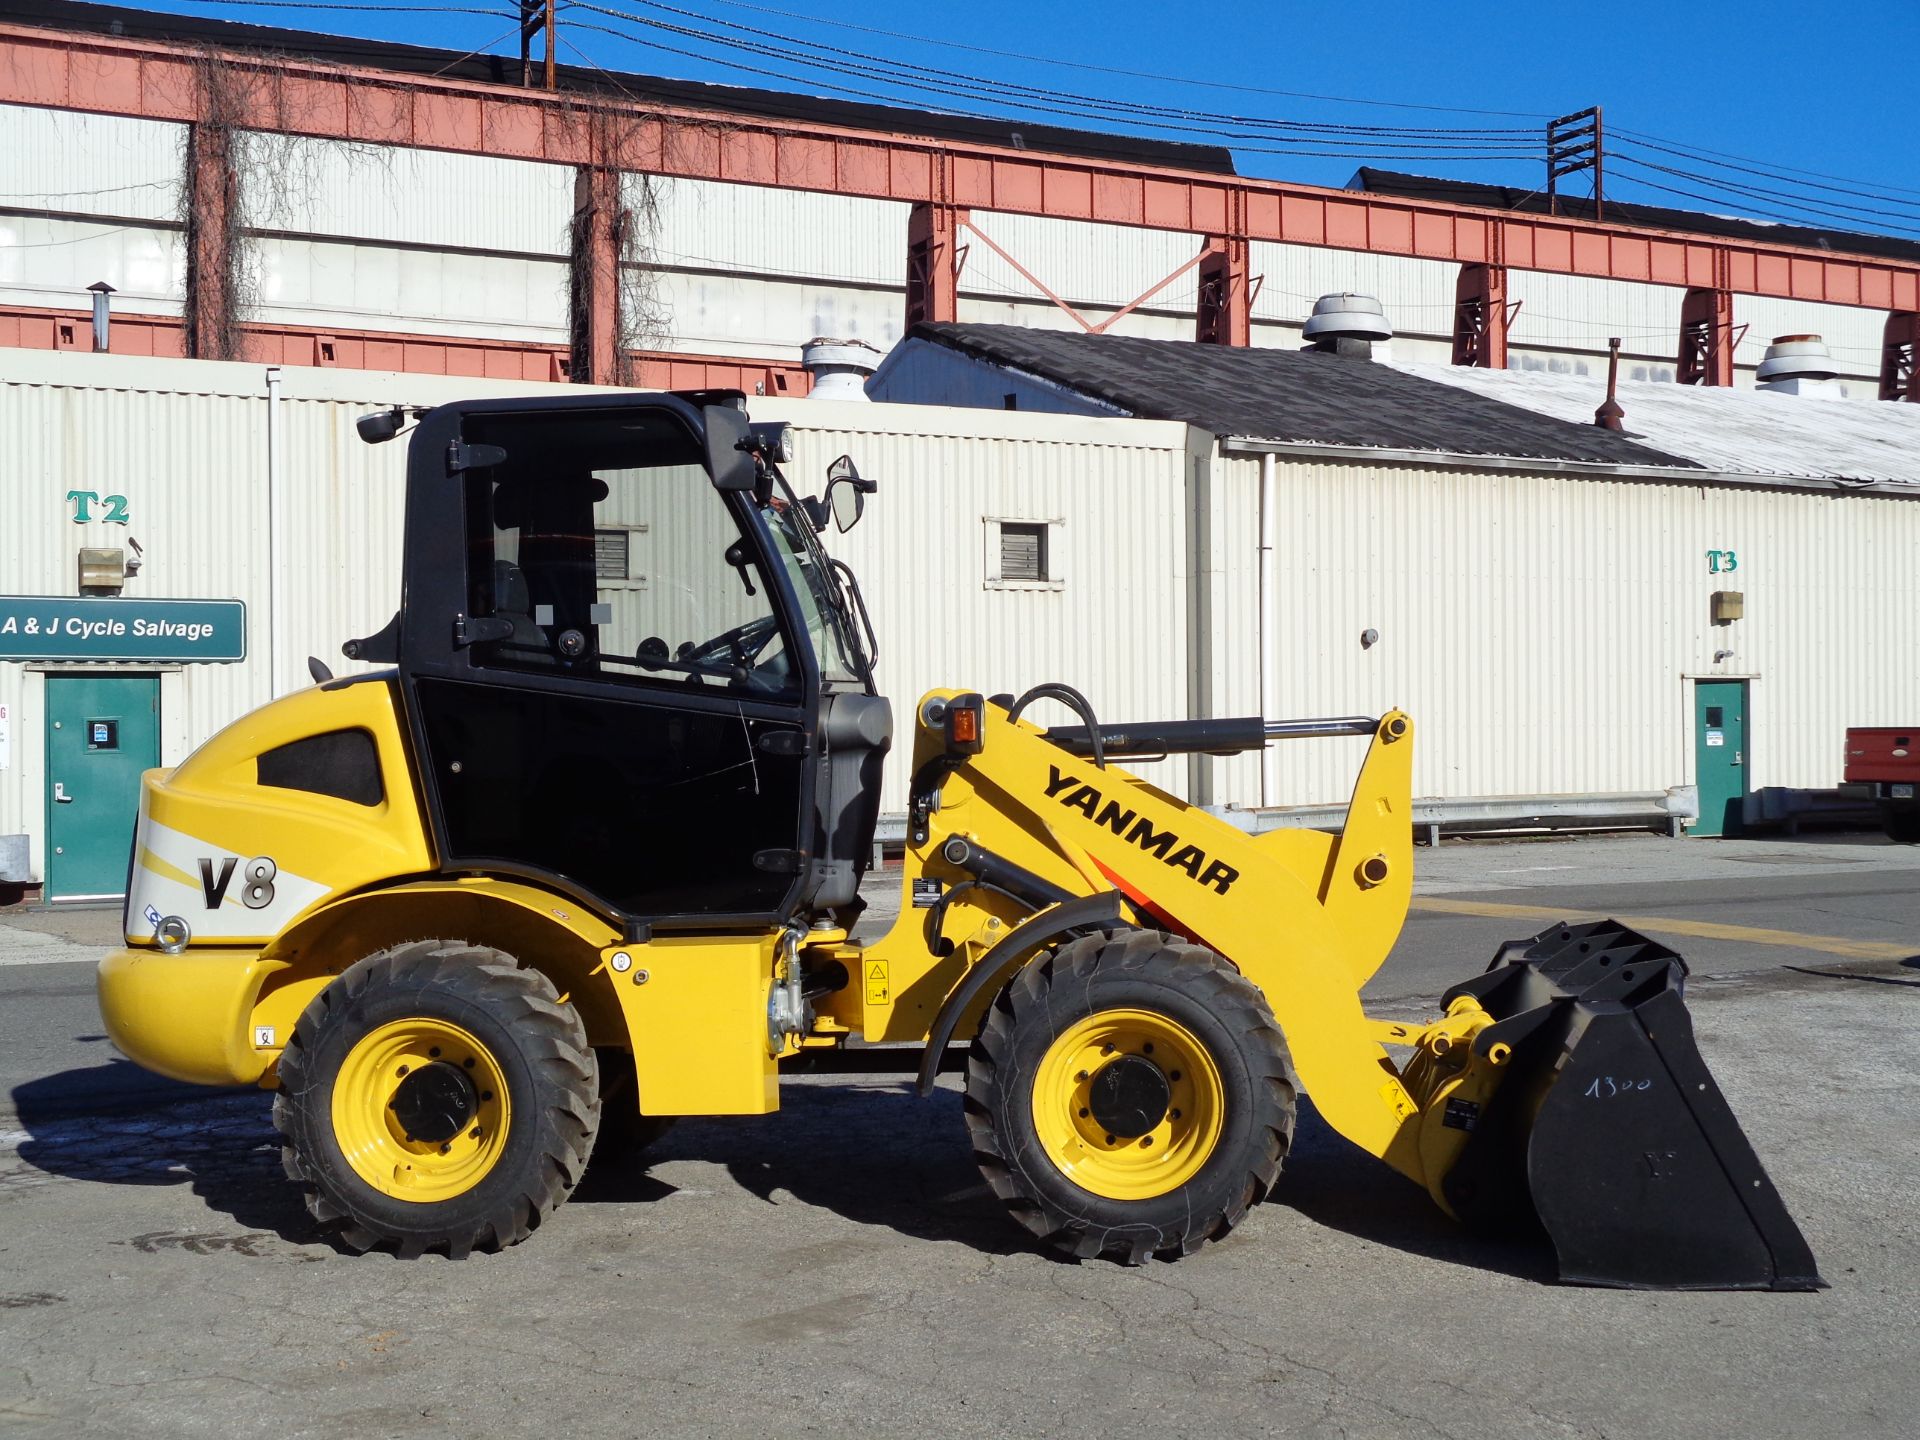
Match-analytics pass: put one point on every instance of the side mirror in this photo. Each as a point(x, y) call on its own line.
point(847, 493)
point(848, 505)
point(730, 461)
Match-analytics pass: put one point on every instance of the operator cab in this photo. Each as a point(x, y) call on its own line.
point(628, 666)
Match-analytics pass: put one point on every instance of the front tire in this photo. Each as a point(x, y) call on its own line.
point(437, 1097)
point(1130, 1096)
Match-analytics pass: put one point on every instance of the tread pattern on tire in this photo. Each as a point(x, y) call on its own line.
point(997, 1082)
point(548, 1033)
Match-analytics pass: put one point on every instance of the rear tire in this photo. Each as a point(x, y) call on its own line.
point(437, 1097)
point(1130, 1096)
point(1903, 826)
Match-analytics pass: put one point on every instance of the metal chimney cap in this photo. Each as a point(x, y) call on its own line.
point(1797, 357)
point(1349, 315)
point(101, 287)
point(824, 350)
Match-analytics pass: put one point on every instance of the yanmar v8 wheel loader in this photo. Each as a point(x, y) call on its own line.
point(585, 856)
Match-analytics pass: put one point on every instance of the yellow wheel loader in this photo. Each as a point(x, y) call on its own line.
point(586, 856)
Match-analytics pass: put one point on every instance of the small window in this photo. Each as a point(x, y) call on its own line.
point(610, 554)
point(1023, 552)
point(1715, 717)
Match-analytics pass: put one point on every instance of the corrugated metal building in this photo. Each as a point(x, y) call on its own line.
point(240, 482)
point(1540, 593)
point(1553, 602)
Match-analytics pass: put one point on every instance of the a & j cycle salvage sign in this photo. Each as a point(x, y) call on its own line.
point(44, 627)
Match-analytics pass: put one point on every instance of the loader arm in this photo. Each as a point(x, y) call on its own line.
point(1306, 917)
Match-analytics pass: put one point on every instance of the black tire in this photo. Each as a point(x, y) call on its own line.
point(1903, 826)
point(625, 1134)
point(1140, 971)
point(535, 1042)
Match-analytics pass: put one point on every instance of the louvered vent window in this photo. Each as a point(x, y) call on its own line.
point(610, 554)
point(1023, 551)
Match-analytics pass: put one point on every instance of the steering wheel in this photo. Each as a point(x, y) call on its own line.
point(741, 646)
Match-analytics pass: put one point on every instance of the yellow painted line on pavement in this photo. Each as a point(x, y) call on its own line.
point(1703, 929)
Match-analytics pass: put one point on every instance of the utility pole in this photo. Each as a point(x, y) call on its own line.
point(536, 17)
point(1575, 142)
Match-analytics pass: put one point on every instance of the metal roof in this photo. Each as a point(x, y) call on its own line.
point(1291, 396)
point(1737, 432)
point(1447, 191)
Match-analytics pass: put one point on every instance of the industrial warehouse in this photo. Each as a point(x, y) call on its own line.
point(1275, 532)
point(720, 719)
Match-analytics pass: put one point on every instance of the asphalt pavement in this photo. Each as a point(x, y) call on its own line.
point(839, 1269)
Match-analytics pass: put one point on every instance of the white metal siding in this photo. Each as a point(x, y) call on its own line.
point(419, 197)
point(359, 286)
point(1540, 629)
point(772, 319)
point(1079, 260)
point(757, 230)
point(48, 262)
point(67, 161)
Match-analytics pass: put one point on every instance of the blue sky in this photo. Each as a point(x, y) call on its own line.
point(1817, 97)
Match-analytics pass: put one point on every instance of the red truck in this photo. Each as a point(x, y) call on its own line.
point(1883, 765)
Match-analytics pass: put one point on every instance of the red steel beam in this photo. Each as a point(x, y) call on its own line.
point(33, 328)
point(151, 80)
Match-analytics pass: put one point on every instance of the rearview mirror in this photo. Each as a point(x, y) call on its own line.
point(731, 466)
point(847, 493)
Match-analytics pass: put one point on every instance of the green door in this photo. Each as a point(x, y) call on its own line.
point(102, 731)
point(1720, 755)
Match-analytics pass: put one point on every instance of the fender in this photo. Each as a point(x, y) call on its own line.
point(1090, 912)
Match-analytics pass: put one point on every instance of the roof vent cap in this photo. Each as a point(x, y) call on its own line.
point(1347, 324)
point(839, 367)
point(1796, 357)
point(1347, 316)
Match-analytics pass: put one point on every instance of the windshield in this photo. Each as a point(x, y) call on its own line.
point(823, 608)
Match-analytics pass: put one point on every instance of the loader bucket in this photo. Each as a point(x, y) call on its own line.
point(1609, 1128)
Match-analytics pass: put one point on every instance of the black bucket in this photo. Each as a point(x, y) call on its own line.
point(1609, 1129)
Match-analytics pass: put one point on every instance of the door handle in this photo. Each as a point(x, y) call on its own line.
point(60, 796)
point(1737, 757)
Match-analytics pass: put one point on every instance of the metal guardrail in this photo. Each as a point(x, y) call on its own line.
point(1663, 810)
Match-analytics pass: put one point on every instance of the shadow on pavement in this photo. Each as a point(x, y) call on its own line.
point(872, 1152)
point(149, 1131)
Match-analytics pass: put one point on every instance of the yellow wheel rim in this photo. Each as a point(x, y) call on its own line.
point(1068, 1115)
point(420, 1110)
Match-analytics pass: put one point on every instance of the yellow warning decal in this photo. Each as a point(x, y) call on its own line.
point(877, 987)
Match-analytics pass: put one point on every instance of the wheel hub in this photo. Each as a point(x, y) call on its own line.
point(1130, 1096)
point(434, 1103)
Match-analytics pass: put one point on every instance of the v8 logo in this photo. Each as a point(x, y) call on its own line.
point(256, 894)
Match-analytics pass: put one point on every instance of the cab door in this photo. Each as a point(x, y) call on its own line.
point(604, 683)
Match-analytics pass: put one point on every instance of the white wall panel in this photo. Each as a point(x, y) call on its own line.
point(707, 224)
point(1416, 294)
point(421, 197)
point(48, 262)
point(64, 160)
point(1852, 334)
point(332, 284)
point(1541, 630)
point(1078, 260)
point(771, 319)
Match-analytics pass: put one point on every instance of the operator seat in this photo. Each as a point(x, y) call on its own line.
point(513, 602)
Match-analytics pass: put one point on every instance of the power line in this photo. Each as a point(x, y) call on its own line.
point(1130, 74)
point(1786, 169)
point(1348, 149)
point(1744, 193)
point(1054, 92)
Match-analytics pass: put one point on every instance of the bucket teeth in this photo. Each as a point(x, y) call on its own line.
point(1608, 1128)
